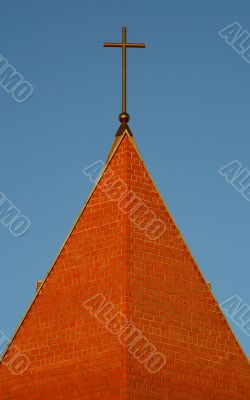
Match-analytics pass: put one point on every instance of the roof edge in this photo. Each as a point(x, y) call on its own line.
point(114, 148)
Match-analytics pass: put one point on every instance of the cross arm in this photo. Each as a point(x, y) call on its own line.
point(137, 45)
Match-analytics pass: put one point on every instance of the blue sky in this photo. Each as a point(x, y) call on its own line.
point(188, 96)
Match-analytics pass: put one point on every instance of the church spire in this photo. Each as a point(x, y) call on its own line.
point(124, 116)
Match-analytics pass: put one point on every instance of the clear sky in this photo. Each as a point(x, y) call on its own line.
point(189, 100)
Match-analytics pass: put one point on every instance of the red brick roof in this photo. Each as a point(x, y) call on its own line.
point(125, 253)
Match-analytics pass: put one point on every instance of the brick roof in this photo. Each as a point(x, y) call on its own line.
point(125, 260)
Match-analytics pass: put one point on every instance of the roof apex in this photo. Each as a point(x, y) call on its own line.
point(123, 126)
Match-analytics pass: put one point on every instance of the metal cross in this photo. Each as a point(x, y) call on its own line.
point(124, 117)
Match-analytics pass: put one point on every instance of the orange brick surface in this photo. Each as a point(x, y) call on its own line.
point(155, 284)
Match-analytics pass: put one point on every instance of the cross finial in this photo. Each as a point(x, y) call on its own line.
point(124, 117)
